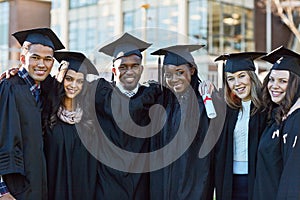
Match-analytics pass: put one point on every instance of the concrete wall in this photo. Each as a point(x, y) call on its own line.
point(26, 14)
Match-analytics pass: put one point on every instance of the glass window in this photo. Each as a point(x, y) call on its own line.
point(91, 34)
point(82, 35)
point(198, 20)
point(4, 16)
point(128, 21)
point(226, 28)
point(81, 3)
point(55, 4)
point(162, 16)
point(152, 17)
point(168, 17)
point(4, 35)
point(106, 31)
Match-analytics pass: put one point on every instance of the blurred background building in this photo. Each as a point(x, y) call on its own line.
point(18, 15)
point(224, 26)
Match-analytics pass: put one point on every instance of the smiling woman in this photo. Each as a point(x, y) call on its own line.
point(237, 146)
point(73, 83)
point(277, 85)
point(278, 158)
point(178, 78)
point(188, 177)
point(240, 84)
point(72, 170)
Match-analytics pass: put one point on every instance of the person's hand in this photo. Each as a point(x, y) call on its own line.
point(7, 196)
point(206, 87)
point(62, 71)
point(10, 72)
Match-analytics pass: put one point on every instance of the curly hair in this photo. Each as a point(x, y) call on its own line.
point(292, 94)
point(255, 94)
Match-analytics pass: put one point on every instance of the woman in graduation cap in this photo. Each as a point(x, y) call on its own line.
point(235, 152)
point(188, 176)
point(71, 169)
point(278, 156)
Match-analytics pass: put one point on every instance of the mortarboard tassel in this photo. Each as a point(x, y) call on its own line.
point(159, 70)
point(160, 75)
point(112, 74)
point(112, 77)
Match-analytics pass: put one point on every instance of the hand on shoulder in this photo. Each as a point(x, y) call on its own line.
point(7, 196)
point(8, 73)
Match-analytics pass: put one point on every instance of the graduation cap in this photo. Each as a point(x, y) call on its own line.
point(126, 45)
point(284, 59)
point(44, 36)
point(77, 62)
point(239, 61)
point(178, 54)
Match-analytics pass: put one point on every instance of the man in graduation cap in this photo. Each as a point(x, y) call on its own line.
point(131, 101)
point(21, 97)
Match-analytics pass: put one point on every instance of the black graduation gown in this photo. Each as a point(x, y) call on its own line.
point(189, 177)
point(289, 186)
point(269, 164)
point(71, 169)
point(224, 153)
point(22, 160)
point(117, 184)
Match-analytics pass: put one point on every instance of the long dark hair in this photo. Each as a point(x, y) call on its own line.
point(195, 80)
point(57, 98)
point(52, 92)
point(292, 94)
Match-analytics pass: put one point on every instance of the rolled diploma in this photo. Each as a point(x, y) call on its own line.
point(209, 106)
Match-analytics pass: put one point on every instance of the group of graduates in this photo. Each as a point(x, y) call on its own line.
point(68, 138)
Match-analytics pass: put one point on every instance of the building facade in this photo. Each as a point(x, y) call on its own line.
point(17, 15)
point(222, 26)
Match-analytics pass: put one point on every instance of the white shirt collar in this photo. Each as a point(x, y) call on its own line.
point(121, 88)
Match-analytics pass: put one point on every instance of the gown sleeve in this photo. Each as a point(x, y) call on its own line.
point(289, 186)
point(11, 154)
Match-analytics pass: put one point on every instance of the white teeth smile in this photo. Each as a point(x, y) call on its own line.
point(129, 79)
point(177, 85)
point(72, 91)
point(40, 72)
point(275, 94)
point(240, 89)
